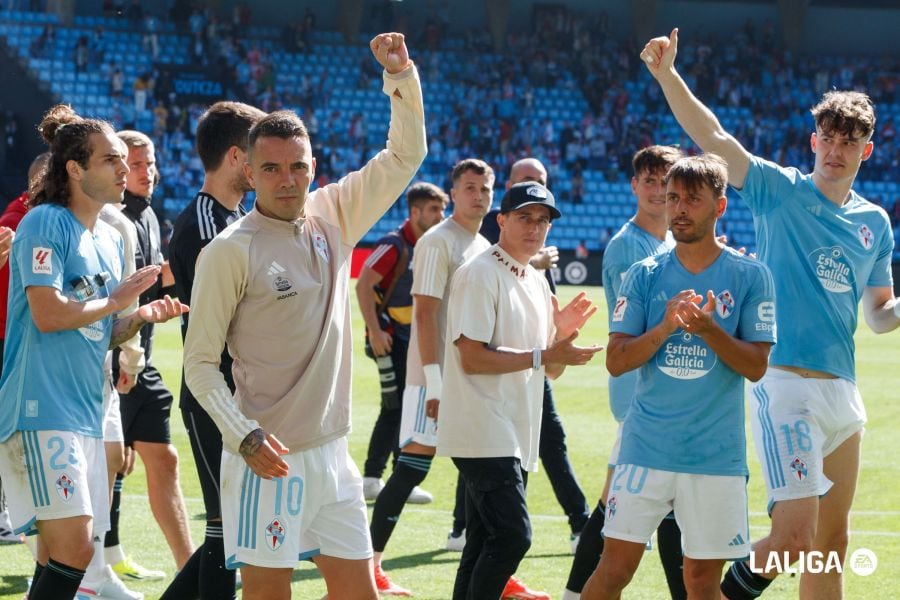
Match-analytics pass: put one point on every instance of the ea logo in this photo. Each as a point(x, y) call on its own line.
point(576, 272)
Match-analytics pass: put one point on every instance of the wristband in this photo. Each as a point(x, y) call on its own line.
point(433, 382)
point(536, 359)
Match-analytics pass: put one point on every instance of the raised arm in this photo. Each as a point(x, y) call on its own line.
point(696, 119)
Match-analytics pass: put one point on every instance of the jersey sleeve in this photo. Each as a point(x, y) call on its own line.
point(628, 314)
point(757, 318)
point(882, 275)
point(767, 185)
point(431, 265)
point(39, 254)
point(474, 305)
point(383, 260)
point(356, 201)
point(221, 279)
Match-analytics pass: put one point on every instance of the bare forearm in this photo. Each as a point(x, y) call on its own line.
point(53, 312)
point(626, 353)
point(125, 328)
point(703, 126)
point(366, 297)
point(747, 358)
point(881, 310)
point(428, 335)
point(480, 359)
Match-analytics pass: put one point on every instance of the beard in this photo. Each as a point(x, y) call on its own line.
point(240, 183)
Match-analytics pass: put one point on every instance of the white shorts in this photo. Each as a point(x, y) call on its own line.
point(617, 446)
point(54, 475)
point(112, 417)
point(414, 425)
point(797, 422)
point(710, 509)
point(317, 509)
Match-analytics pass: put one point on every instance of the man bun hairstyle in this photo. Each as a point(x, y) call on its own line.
point(68, 136)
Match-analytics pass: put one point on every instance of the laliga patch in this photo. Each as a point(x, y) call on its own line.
point(41, 261)
point(321, 246)
point(724, 304)
point(274, 534)
point(619, 310)
point(65, 487)
point(866, 237)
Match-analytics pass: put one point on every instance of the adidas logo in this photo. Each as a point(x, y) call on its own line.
point(275, 268)
point(814, 209)
point(662, 297)
point(737, 541)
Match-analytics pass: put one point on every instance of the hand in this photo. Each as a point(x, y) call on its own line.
point(432, 407)
point(564, 352)
point(672, 320)
point(126, 381)
point(160, 311)
point(132, 286)
point(6, 240)
point(659, 53)
point(390, 52)
point(380, 341)
point(262, 452)
point(573, 317)
point(128, 465)
point(546, 258)
point(695, 318)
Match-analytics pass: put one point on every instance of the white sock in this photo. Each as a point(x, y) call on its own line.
point(96, 570)
point(114, 554)
point(570, 595)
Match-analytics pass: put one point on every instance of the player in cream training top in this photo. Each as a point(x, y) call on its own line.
point(275, 286)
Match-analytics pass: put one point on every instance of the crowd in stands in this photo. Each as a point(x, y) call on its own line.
point(568, 92)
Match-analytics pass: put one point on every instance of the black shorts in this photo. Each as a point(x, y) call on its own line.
point(206, 445)
point(145, 409)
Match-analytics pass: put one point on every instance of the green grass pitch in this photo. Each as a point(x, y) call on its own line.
point(415, 557)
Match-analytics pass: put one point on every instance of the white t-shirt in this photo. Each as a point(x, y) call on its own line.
point(496, 300)
point(438, 254)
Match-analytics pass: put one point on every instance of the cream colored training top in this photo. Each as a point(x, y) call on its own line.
point(277, 292)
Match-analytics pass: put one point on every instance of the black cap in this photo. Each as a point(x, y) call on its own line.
point(529, 192)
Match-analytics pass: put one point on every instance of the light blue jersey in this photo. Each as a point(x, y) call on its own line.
point(630, 245)
point(687, 414)
point(822, 257)
point(55, 380)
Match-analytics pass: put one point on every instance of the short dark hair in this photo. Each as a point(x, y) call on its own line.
point(849, 113)
point(223, 125)
point(284, 124)
point(476, 165)
point(694, 172)
point(423, 192)
point(69, 138)
point(655, 158)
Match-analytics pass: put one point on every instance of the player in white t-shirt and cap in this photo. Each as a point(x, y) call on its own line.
point(505, 332)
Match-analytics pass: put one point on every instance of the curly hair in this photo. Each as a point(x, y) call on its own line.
point(848, 113)
point(68, 136)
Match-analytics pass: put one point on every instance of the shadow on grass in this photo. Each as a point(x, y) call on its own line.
point(409, 561)
point(13, 584)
